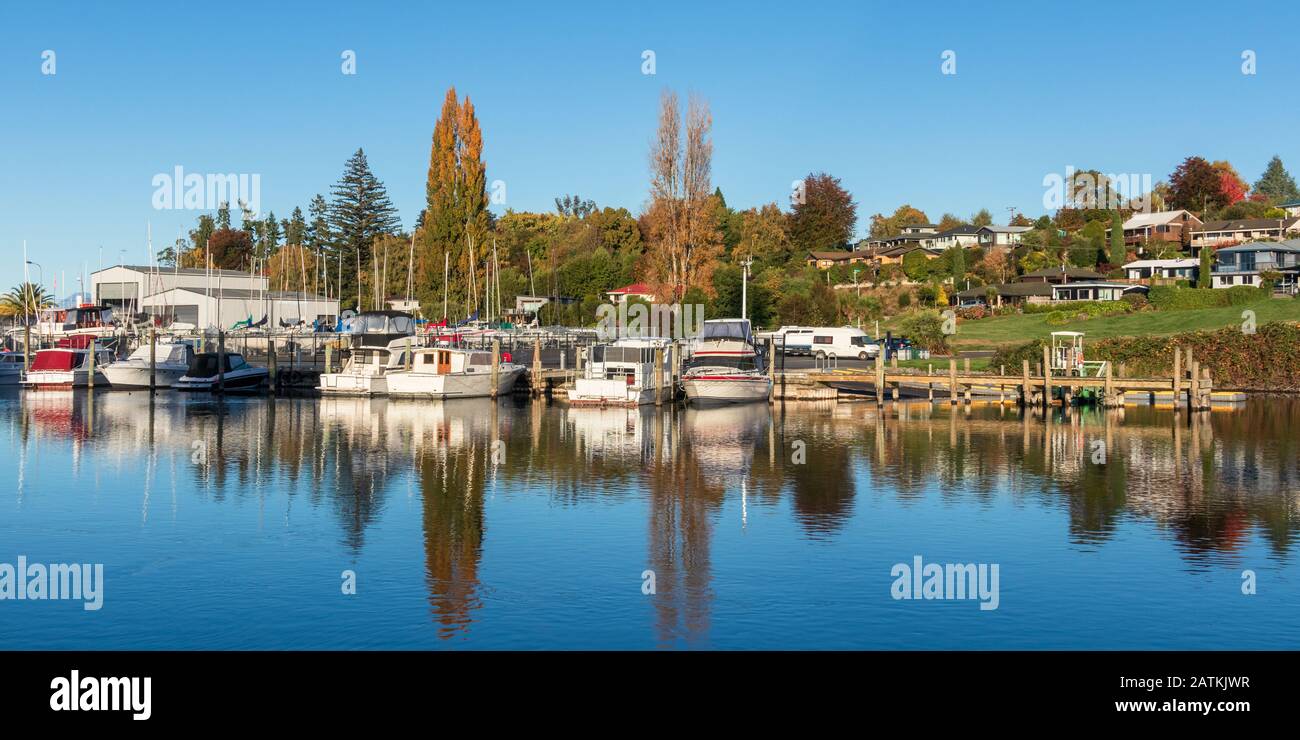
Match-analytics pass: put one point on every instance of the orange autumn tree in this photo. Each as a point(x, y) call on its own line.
point(683, 241)
point(456, 213)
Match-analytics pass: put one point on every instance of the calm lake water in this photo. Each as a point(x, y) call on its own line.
point(474, 524)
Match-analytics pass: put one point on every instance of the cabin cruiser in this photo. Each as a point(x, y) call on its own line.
point(171, 360)
point(64, 368)
point(239, 376)
point(11, 368)
point(60, 323)
point(724, 367)
point(447, 372)
point(378, 343)
point(621, 373)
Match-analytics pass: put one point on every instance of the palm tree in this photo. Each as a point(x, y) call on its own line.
point(24, 299)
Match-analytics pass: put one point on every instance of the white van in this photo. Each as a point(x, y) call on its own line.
point(843, 342)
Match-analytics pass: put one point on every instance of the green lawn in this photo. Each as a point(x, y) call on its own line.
point(1018, 329)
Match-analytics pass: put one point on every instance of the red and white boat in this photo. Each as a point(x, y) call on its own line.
point(725, 368)
point(53, 324)
point(66, 368)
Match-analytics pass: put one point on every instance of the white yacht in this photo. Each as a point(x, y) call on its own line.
point(724, 367)
point(65, 368)
point(378, 345)
point(622, 373)
point(447, 372)
point(173, 359)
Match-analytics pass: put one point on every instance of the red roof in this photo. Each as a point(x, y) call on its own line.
point(633, 289)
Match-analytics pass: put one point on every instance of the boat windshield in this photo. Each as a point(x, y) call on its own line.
point(730, 330)
point(732, 362)
point(380, 323)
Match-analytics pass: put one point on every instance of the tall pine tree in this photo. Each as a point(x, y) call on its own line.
point(1276, 183)
point(456, 210)
point(358, 213)
point(1118, 253)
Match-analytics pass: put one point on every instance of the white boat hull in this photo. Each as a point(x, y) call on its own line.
point(45, 380)
point(727, 389)
point(127, 376)
point(602, 392)
point(353, 384)
point(453, 385)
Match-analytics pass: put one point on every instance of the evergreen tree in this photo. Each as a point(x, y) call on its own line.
point(200, 234)
point(1203, 279)
point(317, 236)
point(295, 228)
point(270, 232)
point(223, 215)
point(1118, 254)
point(359, 213)
point(1276, 183)
point(958, 265)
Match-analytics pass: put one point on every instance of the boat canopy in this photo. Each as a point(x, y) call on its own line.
point(205, 364)
point(732, 329)
point(380, 322)
point(170, 353)
point(57, 360)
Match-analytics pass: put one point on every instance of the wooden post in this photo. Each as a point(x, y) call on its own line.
point(91, 377)
point(952, 380)
point(1047, 376)
point(880, 381)
point(659, 376)
point(221, 361)
point(153, 361)
point(27, 346)
point(771, 369)
point(272, 363)
point(1109, 394)
point(893, 361)
point(496, 365)
point(1178, 373)
point(537, 367)
point(965, 365)
point(329, 356)
point(1025, 392)
point(1193, 384)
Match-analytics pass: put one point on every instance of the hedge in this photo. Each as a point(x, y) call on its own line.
point(1170, 298)
point(1268, 360)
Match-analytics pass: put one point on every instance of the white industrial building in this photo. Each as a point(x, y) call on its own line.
point(205, 298)
point(125, 287)
point(227, 307)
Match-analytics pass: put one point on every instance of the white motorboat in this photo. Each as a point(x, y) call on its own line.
point(239, 376)
point(447, 372)
point(378, 345)
point(724, 367)
point(622, 373)
point(66, 367)
point(173, 359)
point(11, 368)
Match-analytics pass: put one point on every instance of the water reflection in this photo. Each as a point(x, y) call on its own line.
point(1207, 482)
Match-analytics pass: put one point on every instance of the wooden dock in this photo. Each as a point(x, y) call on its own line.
point(1189, 384)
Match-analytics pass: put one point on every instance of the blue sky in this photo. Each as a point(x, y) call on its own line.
point(851, 88)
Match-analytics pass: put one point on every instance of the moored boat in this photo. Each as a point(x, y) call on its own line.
point(621, 373)
point(172, 360)
point(447, 372)
point(204, 374)
point(724, 367)
point(64, 368)
point(378, 344)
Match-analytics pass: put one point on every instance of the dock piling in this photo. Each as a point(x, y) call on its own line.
point(153, 361)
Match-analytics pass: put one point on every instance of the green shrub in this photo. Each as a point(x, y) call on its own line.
point(1013, 358)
